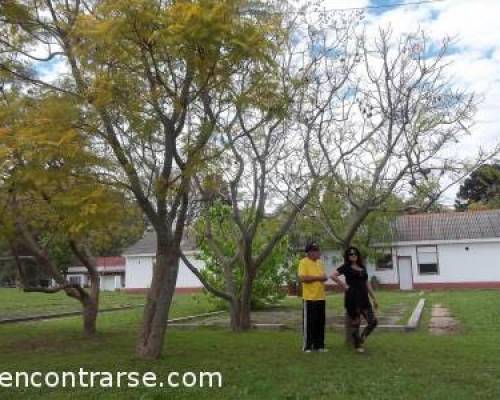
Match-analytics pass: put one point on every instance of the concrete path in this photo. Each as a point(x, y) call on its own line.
point(291, 318)
point(442, 321)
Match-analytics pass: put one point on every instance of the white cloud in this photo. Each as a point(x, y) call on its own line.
point(475, 58)
point(474, 22)
point(53, 70)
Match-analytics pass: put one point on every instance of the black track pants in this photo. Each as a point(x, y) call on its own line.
point(314, 324)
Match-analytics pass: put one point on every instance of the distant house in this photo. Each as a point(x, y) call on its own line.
point(140, 258)
point(111, 272)
point(444, 250)
point(31, 275)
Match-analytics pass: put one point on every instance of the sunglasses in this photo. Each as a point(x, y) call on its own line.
point(352, 254)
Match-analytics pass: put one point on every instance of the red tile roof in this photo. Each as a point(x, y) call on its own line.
point(109, 262)
point(446, 226)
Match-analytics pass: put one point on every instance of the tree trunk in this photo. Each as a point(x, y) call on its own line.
point(246, 303)
point(91, 306)
point(241, 309)
point(90, 310)
point(234, 315)
point(89, 301)
point(349, 340)
point(159, 299)
point(240, 314)
point(234, 303)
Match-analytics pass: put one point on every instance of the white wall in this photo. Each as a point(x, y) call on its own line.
point(332, 259)
point(139, 272)
point(186, 279)
point(480, 263)
point(384, 276)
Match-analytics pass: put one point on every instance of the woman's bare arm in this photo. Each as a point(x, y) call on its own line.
point(335, 277)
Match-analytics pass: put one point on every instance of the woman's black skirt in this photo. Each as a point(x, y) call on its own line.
point(356, 301)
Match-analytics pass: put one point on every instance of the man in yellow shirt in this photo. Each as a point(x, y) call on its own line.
point(313, 277)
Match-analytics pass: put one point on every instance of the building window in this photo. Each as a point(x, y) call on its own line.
point(384, 259)
point(427, 259)
point(75, 280)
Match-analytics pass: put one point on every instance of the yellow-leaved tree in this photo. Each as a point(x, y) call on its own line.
point(52, 193)
point(151, 79)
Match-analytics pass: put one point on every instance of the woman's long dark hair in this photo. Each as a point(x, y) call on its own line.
point(360, 262)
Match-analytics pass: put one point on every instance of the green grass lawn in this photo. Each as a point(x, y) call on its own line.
point(16, 303)
point(270, 365)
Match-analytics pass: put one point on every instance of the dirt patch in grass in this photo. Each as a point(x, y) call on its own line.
point(443, 322)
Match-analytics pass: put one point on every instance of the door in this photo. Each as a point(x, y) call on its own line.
point(405, 273)
point(107, 282)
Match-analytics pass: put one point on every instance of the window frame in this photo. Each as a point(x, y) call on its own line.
point(80, 278)
point(377, 268)
point(437, 260)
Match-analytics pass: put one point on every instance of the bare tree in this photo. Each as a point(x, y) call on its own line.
point(404, 113)
point(265, 171)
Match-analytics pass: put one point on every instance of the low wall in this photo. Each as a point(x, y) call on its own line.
point(457, 285)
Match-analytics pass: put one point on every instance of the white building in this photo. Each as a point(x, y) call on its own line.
point(444, 250)
point(111, 272)
point(139, 259)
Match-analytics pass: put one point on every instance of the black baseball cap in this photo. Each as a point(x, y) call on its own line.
point(313, 246)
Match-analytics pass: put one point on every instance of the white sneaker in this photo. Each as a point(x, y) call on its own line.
point(323, 350)
point(308, 351)
point(360, 350)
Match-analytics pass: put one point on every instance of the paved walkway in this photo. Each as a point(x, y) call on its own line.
point(442, 321)
point(291, 318)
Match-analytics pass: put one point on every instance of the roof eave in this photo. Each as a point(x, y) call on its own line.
point(435, 241)
point(186, 252)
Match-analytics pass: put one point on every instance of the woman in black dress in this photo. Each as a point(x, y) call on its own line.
point(357, 295)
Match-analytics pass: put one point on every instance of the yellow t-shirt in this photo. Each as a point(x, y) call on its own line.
point(312, 290)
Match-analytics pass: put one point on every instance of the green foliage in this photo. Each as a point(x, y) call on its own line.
point(481, 189)
point(425, 194)
point(374, 227)
point(51, 181)
point(272, 275)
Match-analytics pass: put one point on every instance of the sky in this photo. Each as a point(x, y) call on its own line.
point(475, 59)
